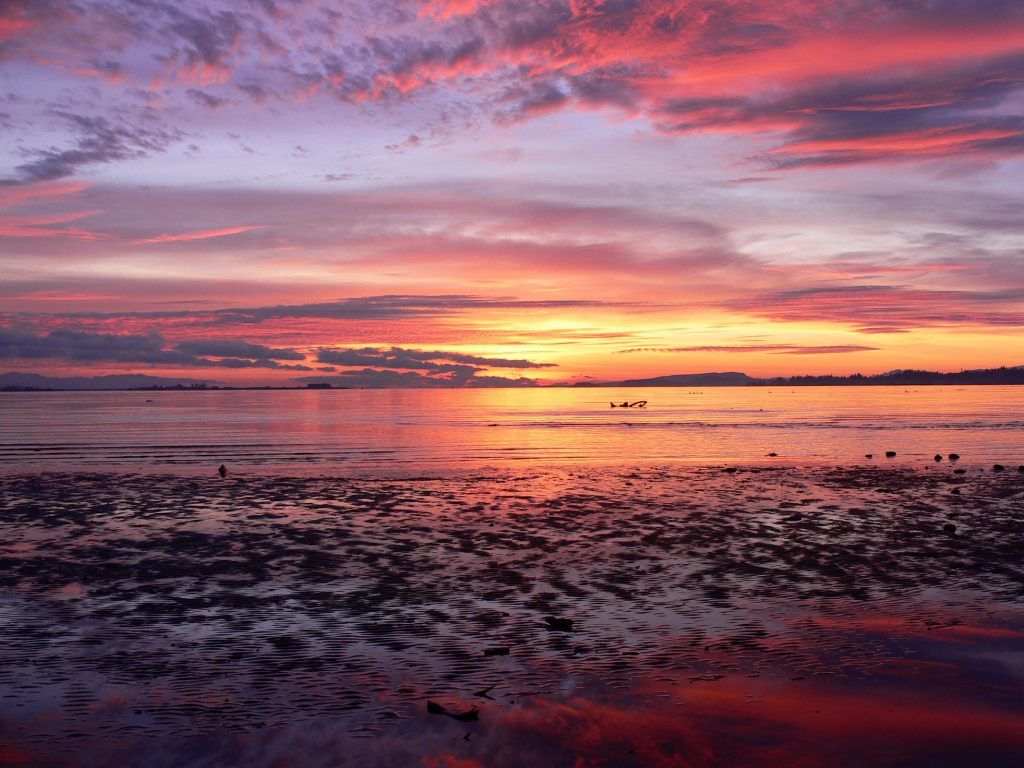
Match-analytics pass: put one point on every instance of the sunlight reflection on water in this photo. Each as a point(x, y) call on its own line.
point(367, 430)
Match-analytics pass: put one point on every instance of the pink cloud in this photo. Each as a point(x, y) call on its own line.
point(12, 26)
point(886, 308)
point(201, 235)
point(41, 226)
point(446, 9)
point(18, 195)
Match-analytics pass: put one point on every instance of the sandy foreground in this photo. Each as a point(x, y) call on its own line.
point(654, 616)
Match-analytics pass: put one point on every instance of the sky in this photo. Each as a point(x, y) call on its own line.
point(509, 192)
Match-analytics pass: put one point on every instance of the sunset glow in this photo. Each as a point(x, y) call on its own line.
point(491, 192)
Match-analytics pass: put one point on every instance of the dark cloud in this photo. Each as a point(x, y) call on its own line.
point(396, 366)
point(781, 349)
point(254, 91)
point(533, 99)
point(443, 368)
point(611, 86)
point(205, 99)
point(373, 308)
point(524, 25)
point(151, 349)
point(861, 119)
point(414, 359)
point(232, 348)
point(887, 308)
point(209, 38)
point(99, 141)
point(369, 378)
point(827, 350)
point(80, 346)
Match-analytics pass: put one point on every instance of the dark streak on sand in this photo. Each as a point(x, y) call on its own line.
point(145, 605)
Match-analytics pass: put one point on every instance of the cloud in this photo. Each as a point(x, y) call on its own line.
point(233, 348)
point(384, 307)
point(782, 349)
point(369, 378)
point(201, 235)
point(209, 40)
point(888, 308)
point(205, 99)
point(44, 226)
point(413, 366)
point(85, 347)
point(99, 141)
point(151, 349)
point(412, 359)
point(834, 82)
point(450, 369)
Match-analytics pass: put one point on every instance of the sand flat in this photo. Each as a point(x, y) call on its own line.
point(766, 614)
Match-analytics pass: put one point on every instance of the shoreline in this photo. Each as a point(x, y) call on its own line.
point(412, 469)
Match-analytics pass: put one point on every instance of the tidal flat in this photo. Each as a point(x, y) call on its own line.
point(657, 615)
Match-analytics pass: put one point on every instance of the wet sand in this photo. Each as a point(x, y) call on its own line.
point(763, 616)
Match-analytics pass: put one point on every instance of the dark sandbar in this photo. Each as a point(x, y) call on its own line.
point(748, 617)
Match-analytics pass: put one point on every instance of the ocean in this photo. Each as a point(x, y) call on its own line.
point(313, 432)
point(511, 578)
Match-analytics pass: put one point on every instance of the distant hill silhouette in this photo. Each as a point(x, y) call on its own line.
point(727, 379)
point(982, 376)
point(35, 381)
point(15, 381)
point(1004, 375)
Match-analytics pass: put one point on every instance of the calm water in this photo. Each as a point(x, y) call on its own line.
point(306, 610)
point(312, 432)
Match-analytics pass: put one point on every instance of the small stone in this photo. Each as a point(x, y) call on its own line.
point(959, 471)
point(499, 651)
point(436, 709)
point(284, 642)
point(222, 470)
point(938, 457)
point(557, 624)
point(954, 457)
point(949, 528)
point(869, 455)
point(470, 715)
point(890, 454)
point(998, 467)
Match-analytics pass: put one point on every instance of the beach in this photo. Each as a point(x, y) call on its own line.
point(866, 614)
point(510, 384)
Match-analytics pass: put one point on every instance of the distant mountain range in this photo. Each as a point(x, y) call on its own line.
point(33, 381)
point(1013, 375)
point(727, 379)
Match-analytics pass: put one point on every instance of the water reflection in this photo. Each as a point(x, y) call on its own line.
point(383, 430)
point(763, 617)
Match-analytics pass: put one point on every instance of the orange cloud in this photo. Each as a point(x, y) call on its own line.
point(446, 9)
point(39, 226)
point(206, 234)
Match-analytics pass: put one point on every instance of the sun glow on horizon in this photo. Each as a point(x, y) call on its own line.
point(635, 190)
